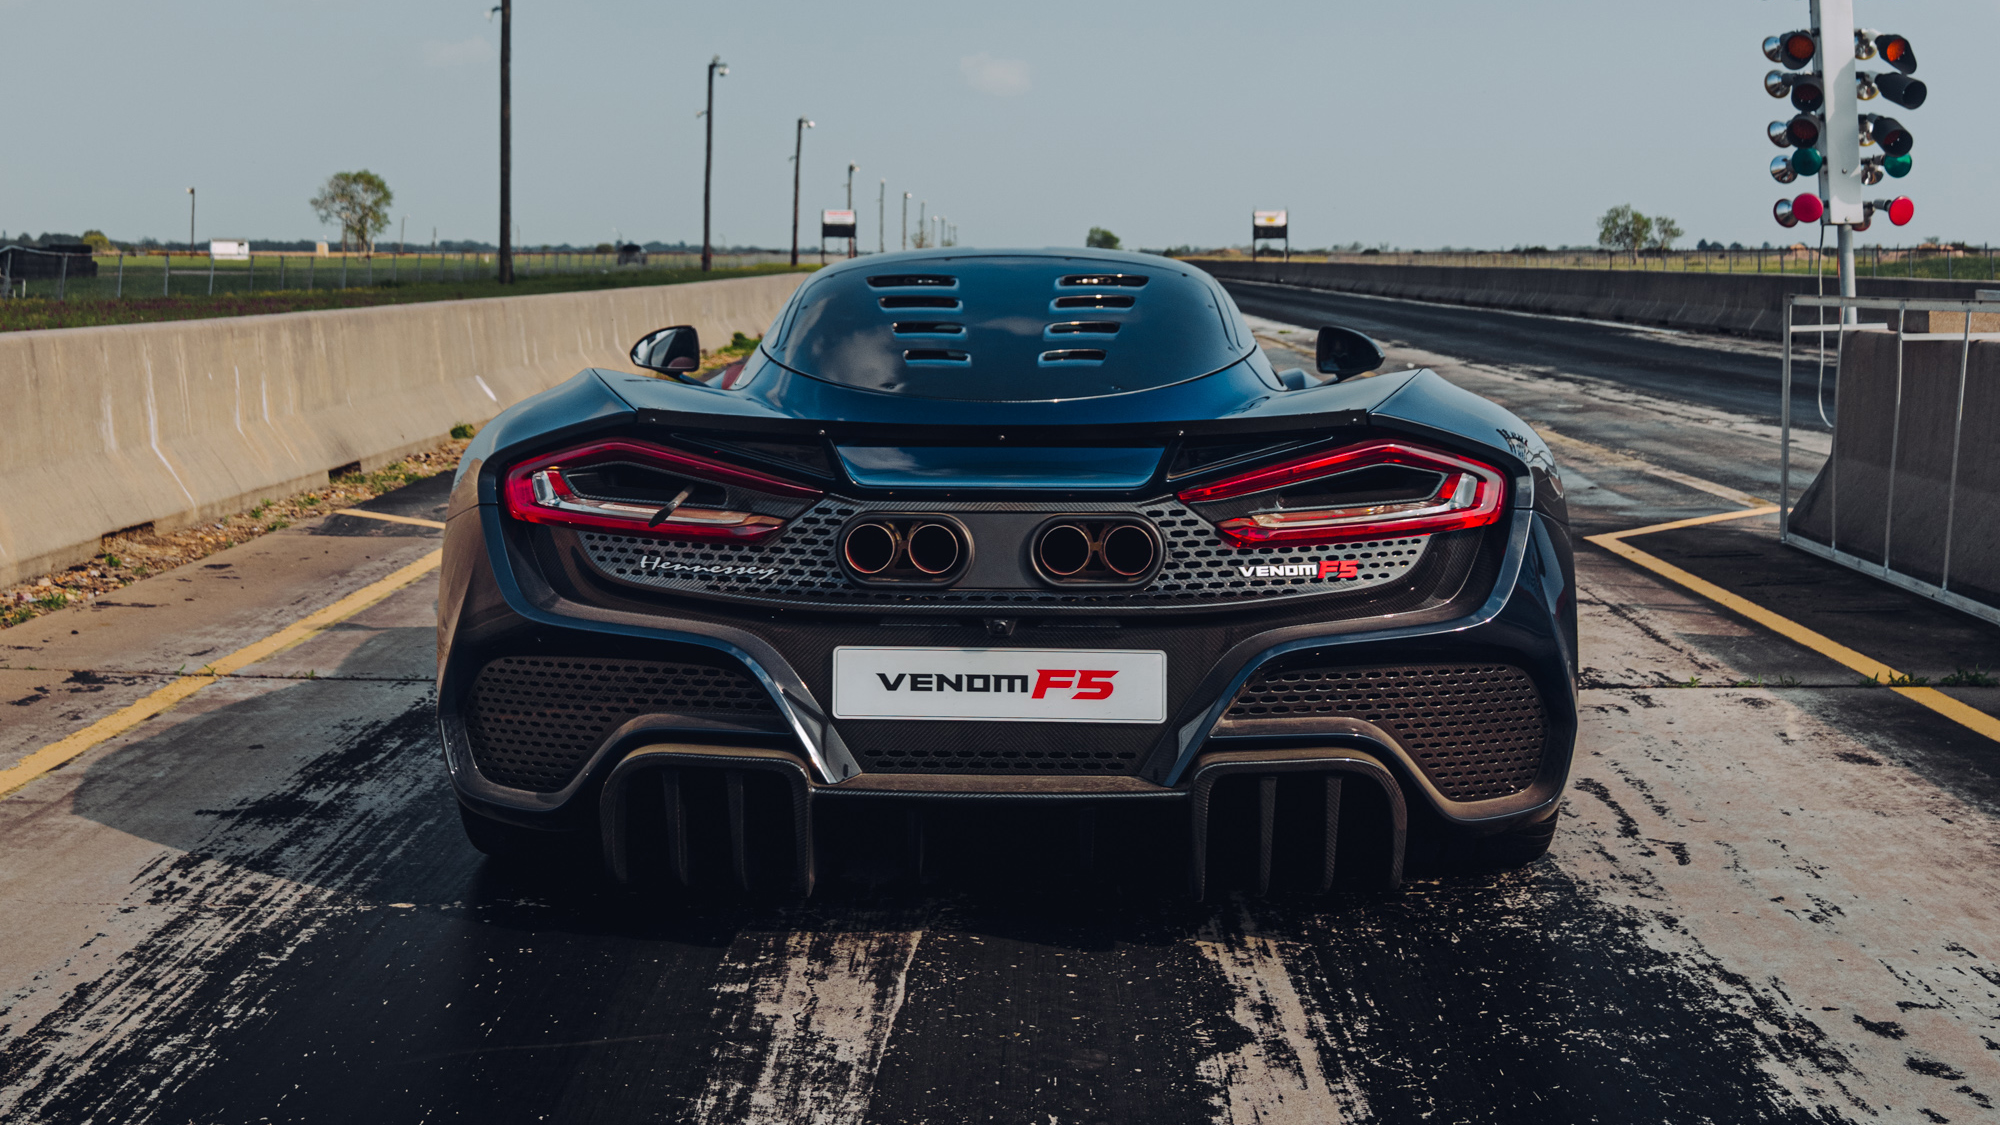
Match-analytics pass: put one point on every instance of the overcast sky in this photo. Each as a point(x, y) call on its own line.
point(1420, 123)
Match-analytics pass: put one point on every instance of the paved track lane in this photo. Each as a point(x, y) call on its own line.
point(1765, 903)
point(1737, 375)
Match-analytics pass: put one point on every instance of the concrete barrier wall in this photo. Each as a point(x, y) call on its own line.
point(1741, 304)
point(170, 424)
point(1848, 504)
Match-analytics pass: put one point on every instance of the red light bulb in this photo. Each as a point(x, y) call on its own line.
point(1808, 208)
point(1901, 210)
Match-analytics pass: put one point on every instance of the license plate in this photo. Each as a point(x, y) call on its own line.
point(1000, 684)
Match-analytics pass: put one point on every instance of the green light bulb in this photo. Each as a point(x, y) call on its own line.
point(1897, 166)
point(1807, 162)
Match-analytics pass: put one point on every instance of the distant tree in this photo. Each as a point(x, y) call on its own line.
point(1101, 239)
point(605, 248)
point(359, 202)
point(1665, 231)
point(1622, 228)
point(97, 241)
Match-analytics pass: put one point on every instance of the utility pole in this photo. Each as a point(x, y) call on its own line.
point(190, 220)
point(798, 150)
point(906, 220)
point(400, 235)
point(881, 213)
point(708, 159)
point(923, 224)
point(851, 166)
point(506, 255)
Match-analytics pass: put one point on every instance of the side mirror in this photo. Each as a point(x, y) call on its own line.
point(1343, 352)
point(669, 351)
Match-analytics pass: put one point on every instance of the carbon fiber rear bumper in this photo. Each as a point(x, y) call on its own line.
point(1512, 612)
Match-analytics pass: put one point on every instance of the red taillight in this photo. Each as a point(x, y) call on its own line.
point(1334, 497)
point(644, 489)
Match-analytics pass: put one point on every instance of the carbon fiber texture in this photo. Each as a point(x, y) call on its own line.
point(1477, 731)
point(533, 721)
point(800, 567)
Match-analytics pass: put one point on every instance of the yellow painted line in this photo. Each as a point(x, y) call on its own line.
point(1695, 522)
point(385, 516)
point(1968, 717)
point(125, 718)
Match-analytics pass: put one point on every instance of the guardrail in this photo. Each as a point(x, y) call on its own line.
point(1938, 262)
point(1909, 492)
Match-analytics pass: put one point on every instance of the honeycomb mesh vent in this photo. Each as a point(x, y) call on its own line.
point(1200, 569)
point(989, 748)
point(1476, 730)
point(533, 721)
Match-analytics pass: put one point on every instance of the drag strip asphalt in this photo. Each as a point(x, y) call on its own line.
point(1738, 375)
point(1771, 898)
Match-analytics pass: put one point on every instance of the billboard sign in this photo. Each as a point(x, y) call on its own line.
point(229, 250)
point(836, 224)
point(1268, 224)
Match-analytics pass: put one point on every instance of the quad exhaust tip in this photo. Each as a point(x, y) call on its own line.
point(905, 549)
point(1082, 551)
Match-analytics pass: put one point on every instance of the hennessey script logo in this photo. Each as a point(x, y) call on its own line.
point(654, 564)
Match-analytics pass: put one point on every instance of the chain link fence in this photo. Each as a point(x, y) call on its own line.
point(34, 272)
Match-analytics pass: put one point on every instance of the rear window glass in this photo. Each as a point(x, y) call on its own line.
point(1004, 327)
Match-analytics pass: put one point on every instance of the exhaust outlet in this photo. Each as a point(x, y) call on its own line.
point(871, 547)
point(934, 548)
point(1108, 552)
point(1063, 550)
point(905, 549)
point(1128, 551)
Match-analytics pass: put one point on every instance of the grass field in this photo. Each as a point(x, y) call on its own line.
point(240, 291)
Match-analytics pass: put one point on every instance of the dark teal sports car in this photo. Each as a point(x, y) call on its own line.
point(1039, 527)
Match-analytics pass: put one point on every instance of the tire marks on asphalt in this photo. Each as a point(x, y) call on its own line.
point(804, 1015)
point(190, 955)
point(1277, 1074)
point(1810, 891)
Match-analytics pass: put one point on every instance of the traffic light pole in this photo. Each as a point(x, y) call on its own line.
point(1847, 270)
point(1829, 132)
point(1840, 176)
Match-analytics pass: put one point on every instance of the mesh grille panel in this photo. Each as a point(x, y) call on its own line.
point(800, 567)
point(534, 720)
point(996, 748)
point(1476, 730)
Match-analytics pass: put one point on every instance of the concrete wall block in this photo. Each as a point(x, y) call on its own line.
point(1848, 503)
point(184, 421)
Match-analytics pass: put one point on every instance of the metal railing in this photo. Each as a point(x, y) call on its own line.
point(1842, 319)
point(119, 275)
point(1935, 262)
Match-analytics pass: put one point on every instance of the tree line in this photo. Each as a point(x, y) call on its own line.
point(1625, 228)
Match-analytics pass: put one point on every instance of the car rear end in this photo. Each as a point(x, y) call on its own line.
point(1294, 639)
